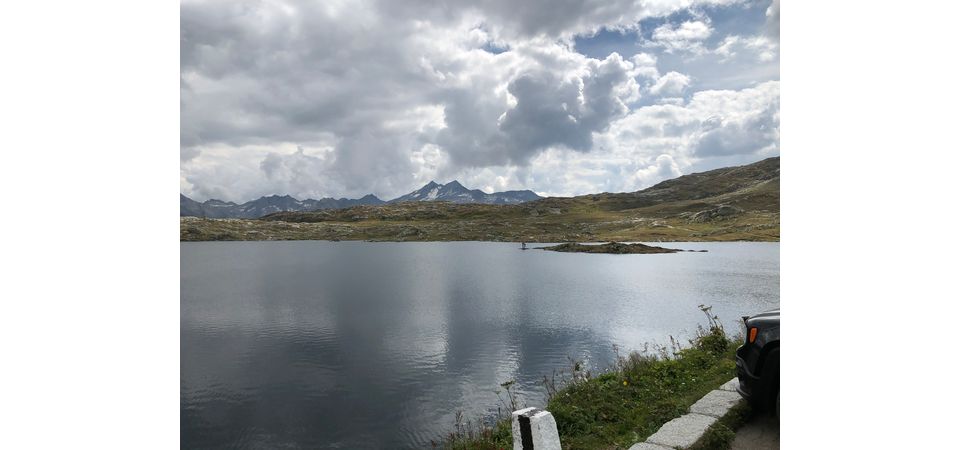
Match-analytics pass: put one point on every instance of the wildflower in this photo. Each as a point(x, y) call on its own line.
point(624, 383)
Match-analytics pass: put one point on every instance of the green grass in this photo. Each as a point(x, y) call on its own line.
point(721, 434)
point(479, 435)
point(631, 399)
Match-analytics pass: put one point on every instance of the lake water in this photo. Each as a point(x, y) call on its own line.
point(315, 344)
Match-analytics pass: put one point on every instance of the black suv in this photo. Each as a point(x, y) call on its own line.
point(758, 361)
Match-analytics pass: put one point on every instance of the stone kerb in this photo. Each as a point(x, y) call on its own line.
point(687, 429)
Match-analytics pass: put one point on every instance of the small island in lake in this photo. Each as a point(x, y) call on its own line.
point(611, 247)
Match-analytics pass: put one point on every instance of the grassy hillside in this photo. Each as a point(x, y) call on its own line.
point(729, 204)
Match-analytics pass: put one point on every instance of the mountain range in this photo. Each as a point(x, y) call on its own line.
point(452, 191)
point(455, 192)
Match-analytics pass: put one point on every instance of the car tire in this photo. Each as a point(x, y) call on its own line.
point(778, 406)
point(770, 382)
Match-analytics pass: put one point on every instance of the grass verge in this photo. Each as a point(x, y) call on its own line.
point(630, 400)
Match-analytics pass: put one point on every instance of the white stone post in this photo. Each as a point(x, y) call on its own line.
point(534, 429)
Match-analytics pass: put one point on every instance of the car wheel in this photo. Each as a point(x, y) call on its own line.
point(770, 382)
point(778, 406)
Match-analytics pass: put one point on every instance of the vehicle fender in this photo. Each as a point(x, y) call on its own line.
point(769, 357)
point(770, 380)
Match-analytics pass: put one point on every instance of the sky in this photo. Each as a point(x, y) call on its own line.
point(344, 99)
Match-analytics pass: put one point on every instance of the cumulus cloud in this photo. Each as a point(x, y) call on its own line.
point(663, 168)
point(546, 114)
point(645, 65)
point(746, 122)
point(350, 98)
point(372, 160)
point(658, 142)
point(295, 173)
point(549, 108)
point(673, 83)
point(686, 37)
point(738, 126)
point(566, 112)
point(765, 48)
point(756, 133)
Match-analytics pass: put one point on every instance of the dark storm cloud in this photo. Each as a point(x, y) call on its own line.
point(518, 19)
point(299, 76)
point(214, 38)
point(471, 136)
point(546, 114)
point(287, 76)
point(552, 109)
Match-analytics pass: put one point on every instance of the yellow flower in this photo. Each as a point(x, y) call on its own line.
point(624, 383)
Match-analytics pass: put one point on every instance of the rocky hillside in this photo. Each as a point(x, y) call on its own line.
point(737, 203)
point(762, 179)
point(714, 183)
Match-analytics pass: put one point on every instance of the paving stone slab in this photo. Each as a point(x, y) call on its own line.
point(683, 431)
point(716, 403)
point(647, 446)
point(730, 385)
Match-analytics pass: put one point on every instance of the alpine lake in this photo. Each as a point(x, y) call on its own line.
point(317, 344)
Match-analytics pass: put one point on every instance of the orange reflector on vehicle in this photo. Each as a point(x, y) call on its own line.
point(753, 334)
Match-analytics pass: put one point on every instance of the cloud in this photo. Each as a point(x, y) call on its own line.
point(764, 44)
point(671, 83)
point(739, 123)
point(663, 168)
point(295, 173)
point(645, 65)
point(733, 126)
point(549, 108)
point(687, 37)
point(771, 28)
point(350, 98)
point(214, 191)
point(550, 111)
point(546, 114)
point(764, 48)
point(531, 18)
point(726, 49)
point(374, 160)
point(755, 133)
point(658, 142)
point(188, 153)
